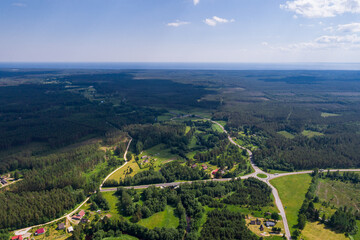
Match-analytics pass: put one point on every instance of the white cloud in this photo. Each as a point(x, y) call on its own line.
point(177, 23)
point(265, 43)
point(345, 28)
point(322, 8)
point(345, 42)
point(19, 4)
point(295, 17)
point(196, 2)
point(215, 20)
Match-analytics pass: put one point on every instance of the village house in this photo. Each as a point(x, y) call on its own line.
point(70, 229)
point(258, 222)
point(84, 220)
point(61, 226)
point(270, 224)
point(39, 231)
point(79, 216)
point(17, 237)
point(204, 167)
point(261, 228)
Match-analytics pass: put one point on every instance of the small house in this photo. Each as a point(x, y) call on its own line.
point(194, 166)
point(61, 226)
point(204, 167)
point(39, 231)
point(84, 220)
point(17, 237)
point(270, 224)
point(70, 229)
point(261, 228)
point(215, 171)
point(258, 222)
point(252, 222)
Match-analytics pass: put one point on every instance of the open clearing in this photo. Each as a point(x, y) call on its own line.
point(292, 190)
point(125, 171)
point(310, 134)
point(165, 219)
point(286, 134)
point(317, 231)
point(113, 200)
point(325, 115)
point(339, 193)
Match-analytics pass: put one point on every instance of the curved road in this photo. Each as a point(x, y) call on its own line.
point(25, 230)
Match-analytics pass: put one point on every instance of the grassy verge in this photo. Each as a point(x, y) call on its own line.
point(292, 190)
point(261, 175)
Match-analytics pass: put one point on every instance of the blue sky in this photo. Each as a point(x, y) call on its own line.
point(266, 31)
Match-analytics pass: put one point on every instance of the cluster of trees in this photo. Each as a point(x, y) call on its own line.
point(224, 224)
point(352, 177)
point(252, 193)
point(148, 135)
point(170, 172)
point(98, 201)
point(116, 228)
point(307, 210)
point(343, 220)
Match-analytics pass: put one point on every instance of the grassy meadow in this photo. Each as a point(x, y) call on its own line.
point(292, 190)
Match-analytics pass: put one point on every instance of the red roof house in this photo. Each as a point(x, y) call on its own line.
point(81, 213)
point(79, 216)
point(40, 231)
point(17, 237)
point(215, 171)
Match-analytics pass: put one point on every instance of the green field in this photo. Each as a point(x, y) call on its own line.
point(339, 193)
point(161, 219)
point(124, 171)
point(310, 134)
point(325, 115)
point(217, 128)
point(317, 231)
point(292, 190)
point(113, 200)
point(286, 134)
point(261, 175)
